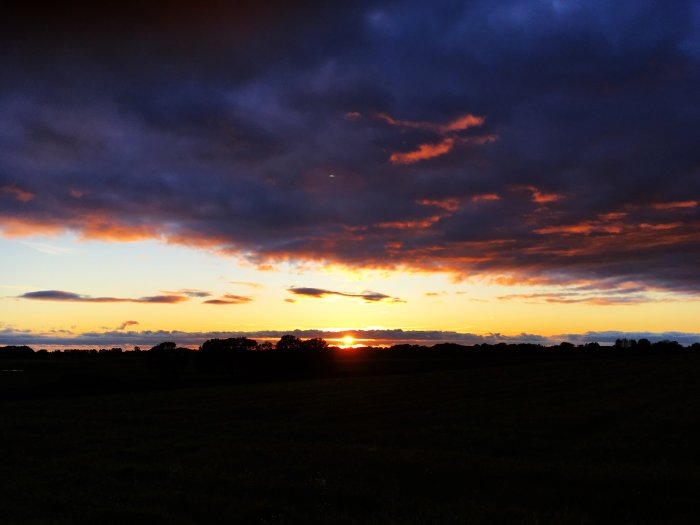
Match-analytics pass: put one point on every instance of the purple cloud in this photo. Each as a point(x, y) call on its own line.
point(58, 295)
point(593, 176)
point(227, 299)
point(367, 296)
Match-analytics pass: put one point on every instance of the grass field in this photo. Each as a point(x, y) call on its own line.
point(584, 440)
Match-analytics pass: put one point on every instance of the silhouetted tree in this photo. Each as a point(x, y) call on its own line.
point(168, 358)
point(164, 347)
point(16, 351)
point(314, 344)
point(233, 344)
point(289, 342)
point(668, 346)
point(625, 343)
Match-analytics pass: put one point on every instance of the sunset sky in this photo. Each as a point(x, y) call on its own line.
point(461, 171)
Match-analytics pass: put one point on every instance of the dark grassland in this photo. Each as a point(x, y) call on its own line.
point(560, 439)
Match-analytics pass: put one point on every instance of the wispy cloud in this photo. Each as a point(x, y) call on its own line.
point(431, 150)
point(246, 283)
point(460, 123)
point(678, 205)
point(48, 249)
point(228, 299)
point(601, 294)
point(59, 295)
point(190, 292)
point(367, 296)
point(423, 152)
point(127, 324)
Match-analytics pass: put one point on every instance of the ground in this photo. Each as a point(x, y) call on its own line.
point(561, 440)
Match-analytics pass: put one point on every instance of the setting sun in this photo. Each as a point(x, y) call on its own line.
point(348, 340)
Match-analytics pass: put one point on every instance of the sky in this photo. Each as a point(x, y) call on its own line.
point(470, 171)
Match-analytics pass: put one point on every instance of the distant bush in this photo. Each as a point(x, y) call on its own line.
point(16, 351)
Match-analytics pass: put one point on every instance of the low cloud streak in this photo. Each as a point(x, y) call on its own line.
point(367, 296)
point(59, 295)
point(228, 299)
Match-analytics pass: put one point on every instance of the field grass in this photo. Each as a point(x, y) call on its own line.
point(592, 440)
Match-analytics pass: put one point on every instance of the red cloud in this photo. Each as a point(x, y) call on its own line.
point(675, 205)
point(449, 204)
point(486, 197)
point(18, 193)
point(429, 151)
point(459, 124)
point(424, 152)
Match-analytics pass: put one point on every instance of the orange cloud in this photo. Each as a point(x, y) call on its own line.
point(424, 152)
point(246, 283)
point(447, 131)
point(449, 204)
point(660, 227)
point(429, 151)
point(18, 193)
point(102, 229)
point(459, 124)
point(486, 197)
point(88, 226)
point(463, 122)
point(543, 198)
point(538, 195)
point(675, 205)
point(411, 225)
point(581, 228)
point(11, 227)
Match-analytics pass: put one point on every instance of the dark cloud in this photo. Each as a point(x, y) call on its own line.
point(127, 324)
point(230, 299)
point(58, 295)
point(220, 126)
point(367, 296)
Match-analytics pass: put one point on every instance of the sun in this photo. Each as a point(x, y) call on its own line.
point(348, 340)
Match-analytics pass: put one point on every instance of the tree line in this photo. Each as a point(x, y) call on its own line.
point(291, 343)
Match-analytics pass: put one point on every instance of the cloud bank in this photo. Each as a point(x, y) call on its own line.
point(220, 125)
